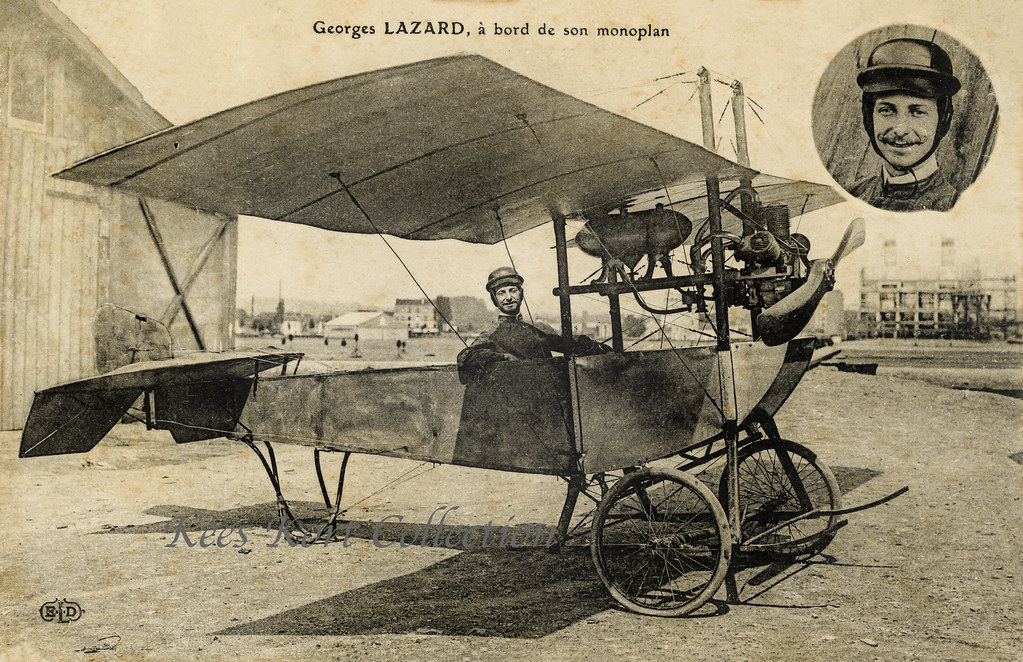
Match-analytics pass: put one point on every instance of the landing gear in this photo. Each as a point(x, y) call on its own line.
point(660, 542)
point(779, 481)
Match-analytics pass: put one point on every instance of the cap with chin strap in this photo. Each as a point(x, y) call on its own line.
point(503, 276)
point(912, 66)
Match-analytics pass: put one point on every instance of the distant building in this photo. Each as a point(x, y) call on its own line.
point(978, 308)
point(931, 290)
point(599, 330)
point(368, 324)
point(293, 327)
point(418, 315)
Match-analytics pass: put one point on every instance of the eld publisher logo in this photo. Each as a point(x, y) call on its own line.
point(61, 611)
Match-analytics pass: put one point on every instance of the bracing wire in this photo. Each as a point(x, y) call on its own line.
point(645, 315)
point(403, 478)
point(685, 365)
point(802, 211)
point(380, 234)
point(411, 275)
point(613, 90)
point(724, 110)
point(650, 98)
point(671, 345)
point(753, 108)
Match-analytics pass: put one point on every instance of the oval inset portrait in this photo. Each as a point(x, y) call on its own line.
point(904, 118)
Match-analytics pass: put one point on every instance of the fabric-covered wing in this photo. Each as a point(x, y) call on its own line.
point(691, 199)
point(423, 151)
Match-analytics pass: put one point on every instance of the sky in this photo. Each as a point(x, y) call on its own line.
point(190, 59)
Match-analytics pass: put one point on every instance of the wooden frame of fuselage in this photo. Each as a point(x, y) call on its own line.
point(729, 431)
point(573, 464)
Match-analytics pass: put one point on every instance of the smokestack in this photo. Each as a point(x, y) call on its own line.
point(891, 256)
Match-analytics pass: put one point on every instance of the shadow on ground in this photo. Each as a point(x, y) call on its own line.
point(488, 591)
point(191, 519)
point(523, 594)
point(849, 478)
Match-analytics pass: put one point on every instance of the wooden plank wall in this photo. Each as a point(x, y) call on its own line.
point(838, 131)
point(50, 273)
point(68, 247)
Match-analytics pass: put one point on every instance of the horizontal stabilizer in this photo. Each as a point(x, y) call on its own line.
point(190, 369)
point(61, 423)
point(74, 417)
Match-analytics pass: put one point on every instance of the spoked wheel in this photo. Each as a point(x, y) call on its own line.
point(660, 542)
point(780, 480)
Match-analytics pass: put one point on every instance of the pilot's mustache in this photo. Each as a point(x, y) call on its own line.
point(891, 137)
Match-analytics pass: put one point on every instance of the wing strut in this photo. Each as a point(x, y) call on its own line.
point(726, 373)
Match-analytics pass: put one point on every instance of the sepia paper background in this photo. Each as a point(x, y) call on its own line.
point(191, 58)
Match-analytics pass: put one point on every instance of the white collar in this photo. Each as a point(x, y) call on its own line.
point(916, 174)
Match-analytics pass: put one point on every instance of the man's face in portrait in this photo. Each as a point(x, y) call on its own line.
point(508, 299)
point(904, 128)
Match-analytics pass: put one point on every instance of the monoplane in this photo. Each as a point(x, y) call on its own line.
point(463, 148)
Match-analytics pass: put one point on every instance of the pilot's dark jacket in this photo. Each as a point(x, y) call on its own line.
point(934, 192)
point(523, 341)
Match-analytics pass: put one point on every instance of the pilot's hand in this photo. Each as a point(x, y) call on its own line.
point(509, 357)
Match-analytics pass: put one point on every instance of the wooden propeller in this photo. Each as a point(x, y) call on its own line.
point(785, 319)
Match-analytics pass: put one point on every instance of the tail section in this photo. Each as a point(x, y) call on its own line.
point(196, 397)
point(63, 422)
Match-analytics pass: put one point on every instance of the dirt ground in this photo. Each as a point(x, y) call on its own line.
point(936, 574)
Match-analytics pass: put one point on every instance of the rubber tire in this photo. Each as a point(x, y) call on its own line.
point(644, 487)
point(757, 467)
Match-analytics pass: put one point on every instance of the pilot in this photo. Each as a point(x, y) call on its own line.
point(907, 86)
point(514, 339)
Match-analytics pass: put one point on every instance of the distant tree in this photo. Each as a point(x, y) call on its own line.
point(279, 315)
point(470, 313)
point(266, 322)
point(443, 311)
point(242, 317)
